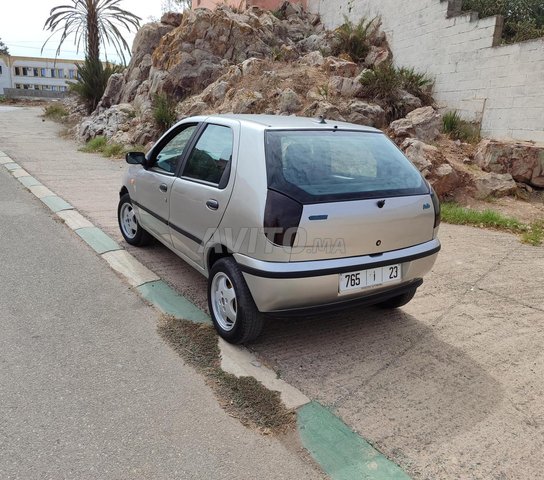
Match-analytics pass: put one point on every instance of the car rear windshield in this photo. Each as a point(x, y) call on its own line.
point(334, 165)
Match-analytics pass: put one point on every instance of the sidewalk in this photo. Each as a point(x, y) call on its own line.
point(449, 387)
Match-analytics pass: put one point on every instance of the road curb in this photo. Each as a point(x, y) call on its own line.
point(342, 453)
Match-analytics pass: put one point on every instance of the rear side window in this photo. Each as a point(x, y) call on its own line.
point(335, 165)
point(210, 159)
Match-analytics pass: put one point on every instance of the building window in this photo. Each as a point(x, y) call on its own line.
point(17, 71)
point(71, 74)
point(0, 69)
point(36, 87)
point(25, 86)
point(61, 72)
point(25, 72)
point(36, 72)
point(43, 72)
point(53, 73)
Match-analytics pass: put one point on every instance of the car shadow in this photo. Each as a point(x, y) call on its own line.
point(385, 372)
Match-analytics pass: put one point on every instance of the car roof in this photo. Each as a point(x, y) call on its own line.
point(280, 122)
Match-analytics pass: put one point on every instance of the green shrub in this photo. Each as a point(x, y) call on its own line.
point(95, 145)
point(523, 19)
point(354, 39)
point(382, 83)
point(164, 111)
point(55, 112)
point(459, 129)
point(92, 82)
point(385, 82)
point(113, 150)
point(416, 83)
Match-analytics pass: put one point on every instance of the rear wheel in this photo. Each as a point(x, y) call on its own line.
point(234, 313)
point(132, 232)
point(399, 300)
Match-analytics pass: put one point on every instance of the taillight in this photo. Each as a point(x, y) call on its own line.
point(436, 205)
point(281, 218)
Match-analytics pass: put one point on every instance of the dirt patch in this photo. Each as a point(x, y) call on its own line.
point(242, 397)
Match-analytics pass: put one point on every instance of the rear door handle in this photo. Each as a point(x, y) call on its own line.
point(163, 187)
point(212, 204)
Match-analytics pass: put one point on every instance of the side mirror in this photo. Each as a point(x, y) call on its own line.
point(135, 158)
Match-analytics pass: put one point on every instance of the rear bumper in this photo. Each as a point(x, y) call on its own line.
point(278, 287)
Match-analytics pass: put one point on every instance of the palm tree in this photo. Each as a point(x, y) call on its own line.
point(95, 22)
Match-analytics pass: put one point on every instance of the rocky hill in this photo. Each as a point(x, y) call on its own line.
point(282, 63)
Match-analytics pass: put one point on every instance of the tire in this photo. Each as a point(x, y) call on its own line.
point(398, 301)
point(132, 232)
point(233, 311)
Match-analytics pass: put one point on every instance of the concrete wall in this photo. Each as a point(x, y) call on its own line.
point(18, 93)
point(265, 4)
point(501, 85)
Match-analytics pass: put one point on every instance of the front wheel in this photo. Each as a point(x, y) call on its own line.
point(132, 232)
point(399, 300)
point(234, 313)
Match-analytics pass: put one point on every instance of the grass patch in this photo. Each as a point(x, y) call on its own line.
point(244, 398)
point(55, 112)
point(95, 145)
point(455, 214)
point(101, 145)
point(535, 234)
point(458, 129)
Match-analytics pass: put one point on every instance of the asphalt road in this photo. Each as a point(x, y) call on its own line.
point(88, 390)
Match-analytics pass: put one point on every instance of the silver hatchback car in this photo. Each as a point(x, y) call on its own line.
point(284, 215)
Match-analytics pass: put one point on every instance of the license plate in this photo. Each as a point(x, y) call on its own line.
point(369, 278)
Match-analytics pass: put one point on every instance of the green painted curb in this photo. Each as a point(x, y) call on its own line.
point(29, 181)
point(12, 166)
point(97, 239)
point(342, 453)
point(168, 301)
point(56, 204)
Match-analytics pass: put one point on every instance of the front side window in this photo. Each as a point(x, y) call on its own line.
point(170, 155)
point(335, 165)
point(211, 156)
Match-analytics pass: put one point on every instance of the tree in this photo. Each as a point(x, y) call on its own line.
point(96, 23)
point(3, 48)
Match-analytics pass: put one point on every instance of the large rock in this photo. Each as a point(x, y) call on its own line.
point(445, 181)
point(420, 154)
point(112, 94)
point(523, 161)
point(423, 123)
point(289, 102)
point(340, 67)
point(106, 123)
point(377, 56)
point(344, 86)
point(364, 113)
point(489, 184)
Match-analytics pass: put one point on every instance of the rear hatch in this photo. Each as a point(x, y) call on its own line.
point(363, 227)
point(357, 194)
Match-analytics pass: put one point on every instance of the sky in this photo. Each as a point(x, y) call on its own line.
point(21, 27)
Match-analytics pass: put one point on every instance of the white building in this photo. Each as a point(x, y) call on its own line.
point(34, 73)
